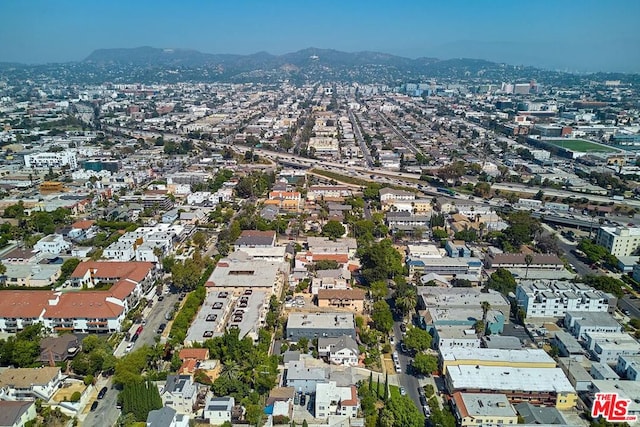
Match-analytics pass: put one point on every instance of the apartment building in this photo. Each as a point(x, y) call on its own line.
point(53, 160)
point(545, 298)
point(619, 241)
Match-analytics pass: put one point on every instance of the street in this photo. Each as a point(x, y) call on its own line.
point(409, 382)
point(627, 303)
point(106, 414)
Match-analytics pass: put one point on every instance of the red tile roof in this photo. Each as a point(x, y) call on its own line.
point(188, 366)
point(194, 353)
point(352, 294)
point(90, 305)
point(83, 225)
point(354, 398)
point(23, 304)
point(134, 270)
point(341, 258)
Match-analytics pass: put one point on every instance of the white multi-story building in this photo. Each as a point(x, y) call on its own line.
point(54, 160)
point(53, 244)
point(607, 347)
point(619, 241)
point(334, 400)
point(543, 298)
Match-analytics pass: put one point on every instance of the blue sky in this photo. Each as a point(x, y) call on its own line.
point(577, 35)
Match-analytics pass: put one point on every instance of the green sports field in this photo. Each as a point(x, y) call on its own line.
point(579, 145)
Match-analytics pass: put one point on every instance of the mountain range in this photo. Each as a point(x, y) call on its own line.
point(161, 65)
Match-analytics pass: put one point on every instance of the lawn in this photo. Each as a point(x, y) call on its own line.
point(579, 145)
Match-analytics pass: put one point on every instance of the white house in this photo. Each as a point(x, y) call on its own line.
point(179, 393)
point(167, 417)
point(53, 244)
point(334, 400)
point(218, 410)
point(340, 351)
point(29, 383)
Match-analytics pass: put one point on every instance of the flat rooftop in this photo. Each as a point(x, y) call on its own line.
point(525, 355)
point(485, 404)
point(211, 317)
point(459, 297)
point(321, 320)
point(243, 272)
point(503, 378)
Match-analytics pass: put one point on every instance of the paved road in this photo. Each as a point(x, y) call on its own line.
point(633, 305)
point(409, 382)
point(106, 414)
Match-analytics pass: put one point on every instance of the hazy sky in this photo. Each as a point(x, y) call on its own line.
point(582, 35)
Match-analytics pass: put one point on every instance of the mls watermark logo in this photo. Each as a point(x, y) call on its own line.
point(612, 408)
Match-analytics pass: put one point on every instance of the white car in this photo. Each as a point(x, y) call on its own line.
point(392, 340)
point(129, 347)
point(403, 392)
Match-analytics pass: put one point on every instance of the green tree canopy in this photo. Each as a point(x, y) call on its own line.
point(380, 261)
point(403, 412)
point(382, 316)
point(502, 281)
point(417, 339)
point(425, 364)
point(333, 229)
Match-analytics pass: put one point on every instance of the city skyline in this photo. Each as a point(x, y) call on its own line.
point(572, 36)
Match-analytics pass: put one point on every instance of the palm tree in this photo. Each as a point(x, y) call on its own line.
point(528, 259)
point(407, 301)
point(485, 309)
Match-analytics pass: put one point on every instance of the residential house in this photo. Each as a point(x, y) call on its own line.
point(167, 417)
point(53, 244)
point(180, 393)
point(352, 299)
point(334, 400)
point(82, 230)
point(58, 349)
point(304, 379)
point(17, 413)
point(255, 239)
point(29, 383)
point(218, 410)
point(340, 351)
point(473, 409)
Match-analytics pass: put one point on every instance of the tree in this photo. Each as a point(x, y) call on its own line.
point(482, 189)
point(605, 284)
point(485, 306)
point(333, 229)
point(404, 412)
point(378, 290)
point(417, 339)
point(406, 300)
point(382, 316)
point(502, 281)
point(139, 399)
point(380, 261)
point(425, 364)
point(528, 259)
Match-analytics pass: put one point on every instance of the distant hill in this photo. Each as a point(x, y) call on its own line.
point(155, 65)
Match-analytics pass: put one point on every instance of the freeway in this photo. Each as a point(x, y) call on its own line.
point(550, 192)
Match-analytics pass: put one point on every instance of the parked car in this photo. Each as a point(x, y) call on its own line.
point(102, 393)
point(161, 328)
point(403, 392)
point(94, 405)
